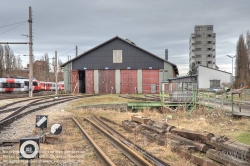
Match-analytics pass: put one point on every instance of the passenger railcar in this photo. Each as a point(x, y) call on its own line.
point(60, 85)
point(9, 85)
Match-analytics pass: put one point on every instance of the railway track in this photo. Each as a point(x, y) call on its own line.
point(7, 116)
point(127, 151)
point(219, 149)
point(148, 156)
point(101, 154)
point(5, 96)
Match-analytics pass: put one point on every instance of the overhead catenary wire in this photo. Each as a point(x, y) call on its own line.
point(67, 52)
point(13, 24)
point(12, 28)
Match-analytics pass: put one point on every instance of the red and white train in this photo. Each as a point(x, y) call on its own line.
point(9, 85)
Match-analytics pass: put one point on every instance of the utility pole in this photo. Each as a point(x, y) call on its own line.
point(76, 51)
point(30, 55)
point(56, 72)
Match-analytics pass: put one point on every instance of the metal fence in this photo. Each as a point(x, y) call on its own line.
point(182, 92)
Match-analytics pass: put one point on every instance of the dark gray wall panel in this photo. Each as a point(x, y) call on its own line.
point(103, 57)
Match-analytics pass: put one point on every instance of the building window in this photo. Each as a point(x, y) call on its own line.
point(198, 35)
point(209, 35)
point(209, 49)
point(198, 42)
point(209, 55)
point(209, 28)
point(214, 83)
point(198, 56)
point(117, 56)
point(198, 28)
point(209, 42)
point(209, 62)
point(198, 49)
point(198, 62)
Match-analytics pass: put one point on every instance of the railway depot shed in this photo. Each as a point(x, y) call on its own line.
point(117, 66)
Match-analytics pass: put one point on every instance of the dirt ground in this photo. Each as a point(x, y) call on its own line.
point(72, 149)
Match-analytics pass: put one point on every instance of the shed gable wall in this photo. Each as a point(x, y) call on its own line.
point(102, 58)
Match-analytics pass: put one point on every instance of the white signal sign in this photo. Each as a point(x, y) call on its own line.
point(29, 148)
point(41, 121)
point(56, 129)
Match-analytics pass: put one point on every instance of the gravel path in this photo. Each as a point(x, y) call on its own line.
point(25, 127)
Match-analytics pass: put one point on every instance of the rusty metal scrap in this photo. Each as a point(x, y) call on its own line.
point(130, 126)
point(200, 146)
point(203, 137)
point(140, 119)
point(226, 159)
point(231, 146)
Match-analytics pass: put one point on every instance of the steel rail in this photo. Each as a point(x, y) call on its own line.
point(147, 155)
point(101, 154)
point(19, 114)
point(16, 116)
point(30, 104)
point(192, 158)
point(36, 98)
point(132, 155)
point(26, 106)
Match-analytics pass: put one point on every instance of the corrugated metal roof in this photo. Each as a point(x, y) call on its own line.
point(117, 37)
point(181, 77)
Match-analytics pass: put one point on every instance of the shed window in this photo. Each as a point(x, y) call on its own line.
point(117, 56)
point(214, 83)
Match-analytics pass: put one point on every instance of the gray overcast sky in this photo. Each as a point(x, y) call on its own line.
point(60, 25)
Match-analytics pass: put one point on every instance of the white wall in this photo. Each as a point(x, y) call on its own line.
point(206, 74)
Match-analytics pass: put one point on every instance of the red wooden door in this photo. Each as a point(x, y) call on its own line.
point(110, 77)
point(102, 81)
point(74, 77)
point(89, 81)
point(166, 88)
point(150, 81)
point(107, 81)
point(128, 81)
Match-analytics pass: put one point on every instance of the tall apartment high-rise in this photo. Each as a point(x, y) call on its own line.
point(202, 46)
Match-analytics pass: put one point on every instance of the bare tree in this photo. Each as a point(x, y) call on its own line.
point(7, 60)
point(60, 71)
point(248, 52)
point(1, 61)
point(241, 62)
point(47, 67)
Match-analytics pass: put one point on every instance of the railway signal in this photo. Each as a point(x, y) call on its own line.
point(56, 129)
point(29, 148)
point(42, 121)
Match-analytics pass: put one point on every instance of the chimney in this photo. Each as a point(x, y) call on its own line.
point(166, 54)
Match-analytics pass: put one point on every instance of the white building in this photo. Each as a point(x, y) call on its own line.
point(206, 78)
point(211, 78)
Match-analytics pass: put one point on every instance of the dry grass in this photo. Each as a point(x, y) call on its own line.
point(103, 99)
point(202, 119)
